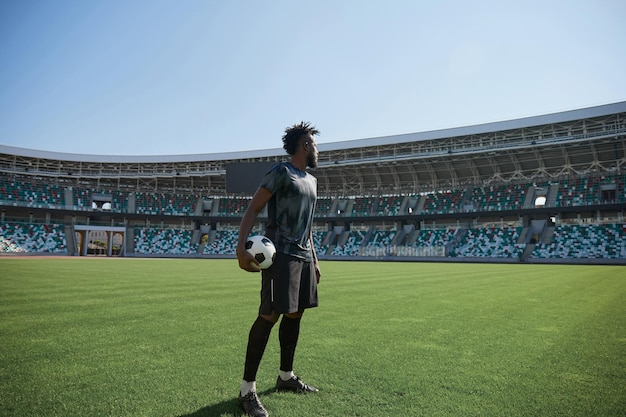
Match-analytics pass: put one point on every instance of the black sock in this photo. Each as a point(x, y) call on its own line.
point(257, 340)
point(288, 337)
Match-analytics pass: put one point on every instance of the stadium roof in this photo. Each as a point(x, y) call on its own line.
point(553, 118)
point(484, 128)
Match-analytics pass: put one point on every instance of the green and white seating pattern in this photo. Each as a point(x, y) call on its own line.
point(381, 238)
point(572, 192)
point(318, 238)
point(492, 242)
point(225, 243)
point(31, 194)
point(437, 237)
point(352, 245)
point(36, 238)
point(234, 207)
point(157, 241)
point(443, 202)
point(322, 207)
point(585, 241)
point(499, 197)
point(389, 205)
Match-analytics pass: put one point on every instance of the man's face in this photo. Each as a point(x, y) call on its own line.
point(311, 159)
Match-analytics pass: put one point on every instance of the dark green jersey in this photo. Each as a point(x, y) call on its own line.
point(290, 209)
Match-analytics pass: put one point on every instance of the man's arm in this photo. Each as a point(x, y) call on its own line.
point(259, 200)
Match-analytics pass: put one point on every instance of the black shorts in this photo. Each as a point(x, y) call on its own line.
point(288, 286)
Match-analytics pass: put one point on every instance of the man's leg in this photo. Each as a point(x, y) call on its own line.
point(289, 332)
point(257, 341)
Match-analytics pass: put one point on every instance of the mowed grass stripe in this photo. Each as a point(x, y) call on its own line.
point(142, 337)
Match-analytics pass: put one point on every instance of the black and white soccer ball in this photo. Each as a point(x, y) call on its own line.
point(262, 249)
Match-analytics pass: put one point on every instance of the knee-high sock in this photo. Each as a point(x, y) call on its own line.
point(288, 337)
point(257, 340)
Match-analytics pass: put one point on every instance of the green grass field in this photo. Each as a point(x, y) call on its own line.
point(135, 337)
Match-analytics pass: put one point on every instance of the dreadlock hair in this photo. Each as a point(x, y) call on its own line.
point(294, 133)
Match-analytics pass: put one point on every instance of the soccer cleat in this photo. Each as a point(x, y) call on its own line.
point(294, 384)
point(252, 405)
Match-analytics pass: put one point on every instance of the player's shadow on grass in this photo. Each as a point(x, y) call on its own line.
point(228, 408)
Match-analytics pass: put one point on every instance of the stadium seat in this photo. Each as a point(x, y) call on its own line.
point(224, 243)
point(491, 242)
point(498, 197)
point(32, 238)
point(443, 202)
point(157, 241)
point(577, 241)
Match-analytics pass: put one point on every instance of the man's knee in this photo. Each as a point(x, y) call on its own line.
point(296, 315)
point(272, 318)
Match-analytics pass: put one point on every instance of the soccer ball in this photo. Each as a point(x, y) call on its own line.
point(262, 249)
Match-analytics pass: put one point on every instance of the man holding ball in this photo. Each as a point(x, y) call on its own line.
point(289, 286)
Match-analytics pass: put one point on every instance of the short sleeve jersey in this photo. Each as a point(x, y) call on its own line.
point(290, 209)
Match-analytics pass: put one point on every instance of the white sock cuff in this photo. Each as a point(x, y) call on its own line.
point(247, 386)
point(286, 375)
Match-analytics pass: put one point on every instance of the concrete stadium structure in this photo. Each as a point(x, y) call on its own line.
point(423, 196)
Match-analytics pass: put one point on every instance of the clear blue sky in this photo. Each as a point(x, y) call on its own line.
point(151, 77)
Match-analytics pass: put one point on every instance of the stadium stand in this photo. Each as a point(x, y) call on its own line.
point(579, 191)
point(582, 191)
point(362, 206)
point(319, 237)
point(323, 207)
point(157, 241)
point(578, 241)
point(548, 188)
point(498, 197)
point(437, 237)
point(389, 205)
point(32, 238)
point(444, 202)
point(91, 198)
point(350, 244)
point(31, 194)
point(233, 207)
point(492, 242)
point(381, 238)
point(222, 242)
point(165, 204)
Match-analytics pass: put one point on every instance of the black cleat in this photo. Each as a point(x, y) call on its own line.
point(252, 405)
point(294, 384)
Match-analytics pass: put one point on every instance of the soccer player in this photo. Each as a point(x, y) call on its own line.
point(289, 286)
